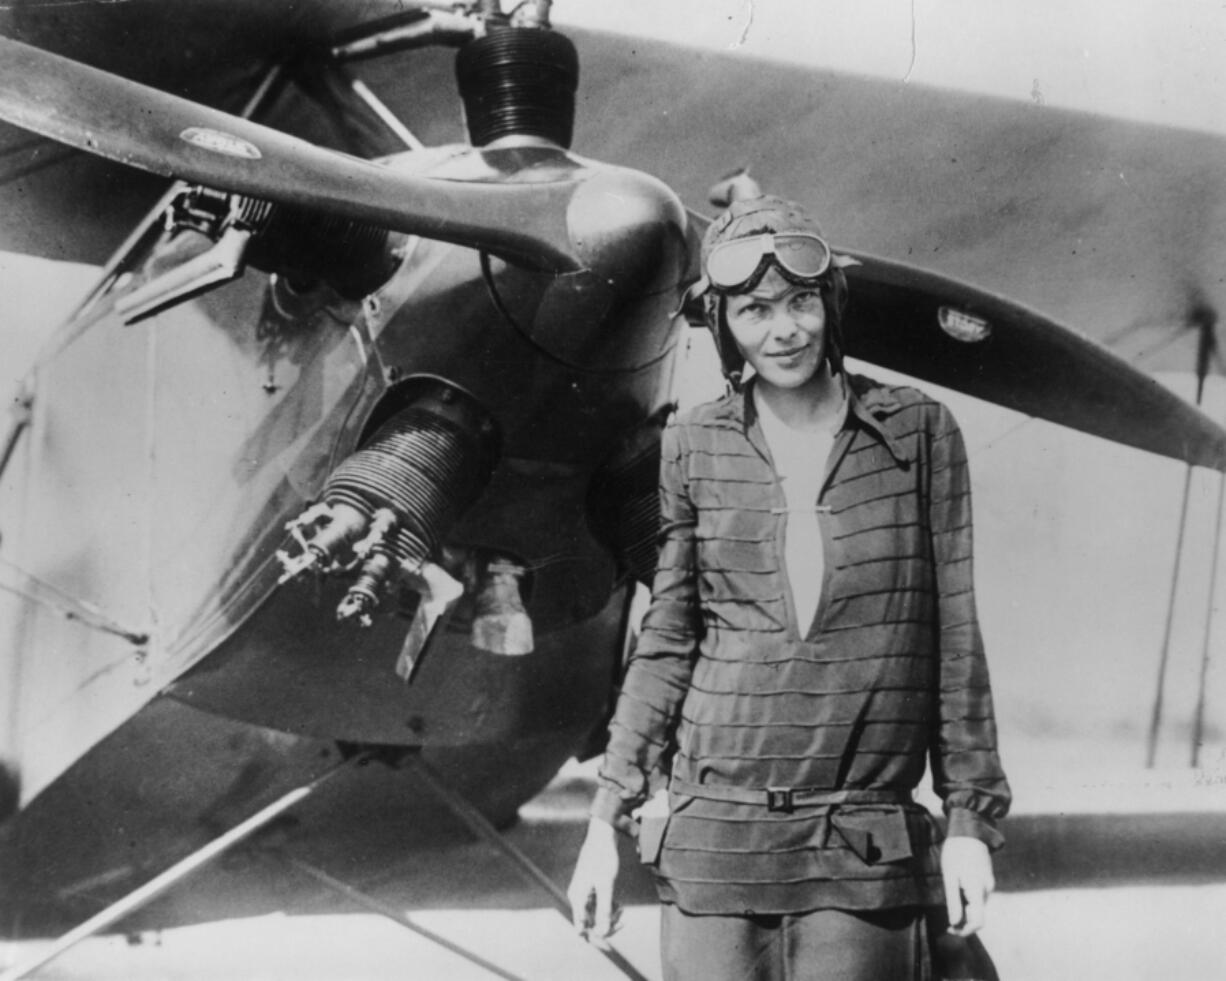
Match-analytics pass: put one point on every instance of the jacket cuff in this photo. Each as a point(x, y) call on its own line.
point(607, 806)
point(965, 823)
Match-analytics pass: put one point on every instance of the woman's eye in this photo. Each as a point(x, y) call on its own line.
point(807, 301)
point(751, 312)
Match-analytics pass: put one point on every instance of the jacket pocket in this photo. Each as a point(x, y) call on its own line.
point(876, 837)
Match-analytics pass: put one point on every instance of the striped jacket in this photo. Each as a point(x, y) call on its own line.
point(730, 691)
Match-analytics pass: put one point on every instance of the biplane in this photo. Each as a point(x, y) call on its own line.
point(347, 460)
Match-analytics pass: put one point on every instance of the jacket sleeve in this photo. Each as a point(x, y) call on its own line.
point(966, 766)
point(658, 671)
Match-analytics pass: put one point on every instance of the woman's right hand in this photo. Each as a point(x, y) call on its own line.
point(593, 882)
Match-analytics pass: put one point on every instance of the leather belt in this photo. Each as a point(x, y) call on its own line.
point(787, 799)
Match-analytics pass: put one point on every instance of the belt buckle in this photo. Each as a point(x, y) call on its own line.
point(780, 799)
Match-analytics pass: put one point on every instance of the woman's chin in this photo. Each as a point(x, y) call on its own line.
point(789, 376)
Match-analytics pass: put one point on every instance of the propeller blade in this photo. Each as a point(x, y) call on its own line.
point(953, 335)
point(143, 127)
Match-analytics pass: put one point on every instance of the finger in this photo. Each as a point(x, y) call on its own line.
point(953, 904)
point(579, 909)
point(602, 916)
point(602, 941)
point(976, 909)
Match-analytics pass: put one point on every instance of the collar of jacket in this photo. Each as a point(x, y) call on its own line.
point(870, 405)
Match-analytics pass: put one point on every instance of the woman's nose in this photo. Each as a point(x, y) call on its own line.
point(784, 323)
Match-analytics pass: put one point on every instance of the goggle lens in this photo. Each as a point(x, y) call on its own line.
point(732, 265)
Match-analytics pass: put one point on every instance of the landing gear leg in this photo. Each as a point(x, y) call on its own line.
point(173, 875)
point(482, 828)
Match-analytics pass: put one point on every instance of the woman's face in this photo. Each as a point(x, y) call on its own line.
point(780, 329)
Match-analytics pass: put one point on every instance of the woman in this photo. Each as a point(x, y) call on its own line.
point(811, 643)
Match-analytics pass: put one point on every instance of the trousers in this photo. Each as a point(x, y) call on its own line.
point(904, 944)
point(820, 945)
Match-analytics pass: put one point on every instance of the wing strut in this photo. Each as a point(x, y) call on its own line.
point(482, 828)
point(1205, 320)
point(176, 873)
point(1206, 651)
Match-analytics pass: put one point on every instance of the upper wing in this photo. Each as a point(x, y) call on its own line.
point(1108, 225)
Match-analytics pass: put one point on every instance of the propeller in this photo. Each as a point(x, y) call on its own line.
point(152, 130)
point(953, 335)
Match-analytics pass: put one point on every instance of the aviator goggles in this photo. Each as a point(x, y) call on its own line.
point(739, 265)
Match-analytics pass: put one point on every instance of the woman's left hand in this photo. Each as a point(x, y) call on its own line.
point(966, 867)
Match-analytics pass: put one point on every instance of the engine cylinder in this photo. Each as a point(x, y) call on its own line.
point(519, 81)
point(624, 499)
point(426, 464)
point(386, 509)
point(306, 246)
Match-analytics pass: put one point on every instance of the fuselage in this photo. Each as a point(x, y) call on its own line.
point(165, 458)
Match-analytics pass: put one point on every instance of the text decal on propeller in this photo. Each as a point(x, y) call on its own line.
point(218, 142)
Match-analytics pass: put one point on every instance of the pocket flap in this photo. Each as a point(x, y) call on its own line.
point(875, 836)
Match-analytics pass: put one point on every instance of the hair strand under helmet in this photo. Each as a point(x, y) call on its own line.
point(748, 218)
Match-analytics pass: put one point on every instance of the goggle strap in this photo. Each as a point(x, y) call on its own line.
point(691, 295)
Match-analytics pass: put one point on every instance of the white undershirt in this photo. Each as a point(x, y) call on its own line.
point(800, 464)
